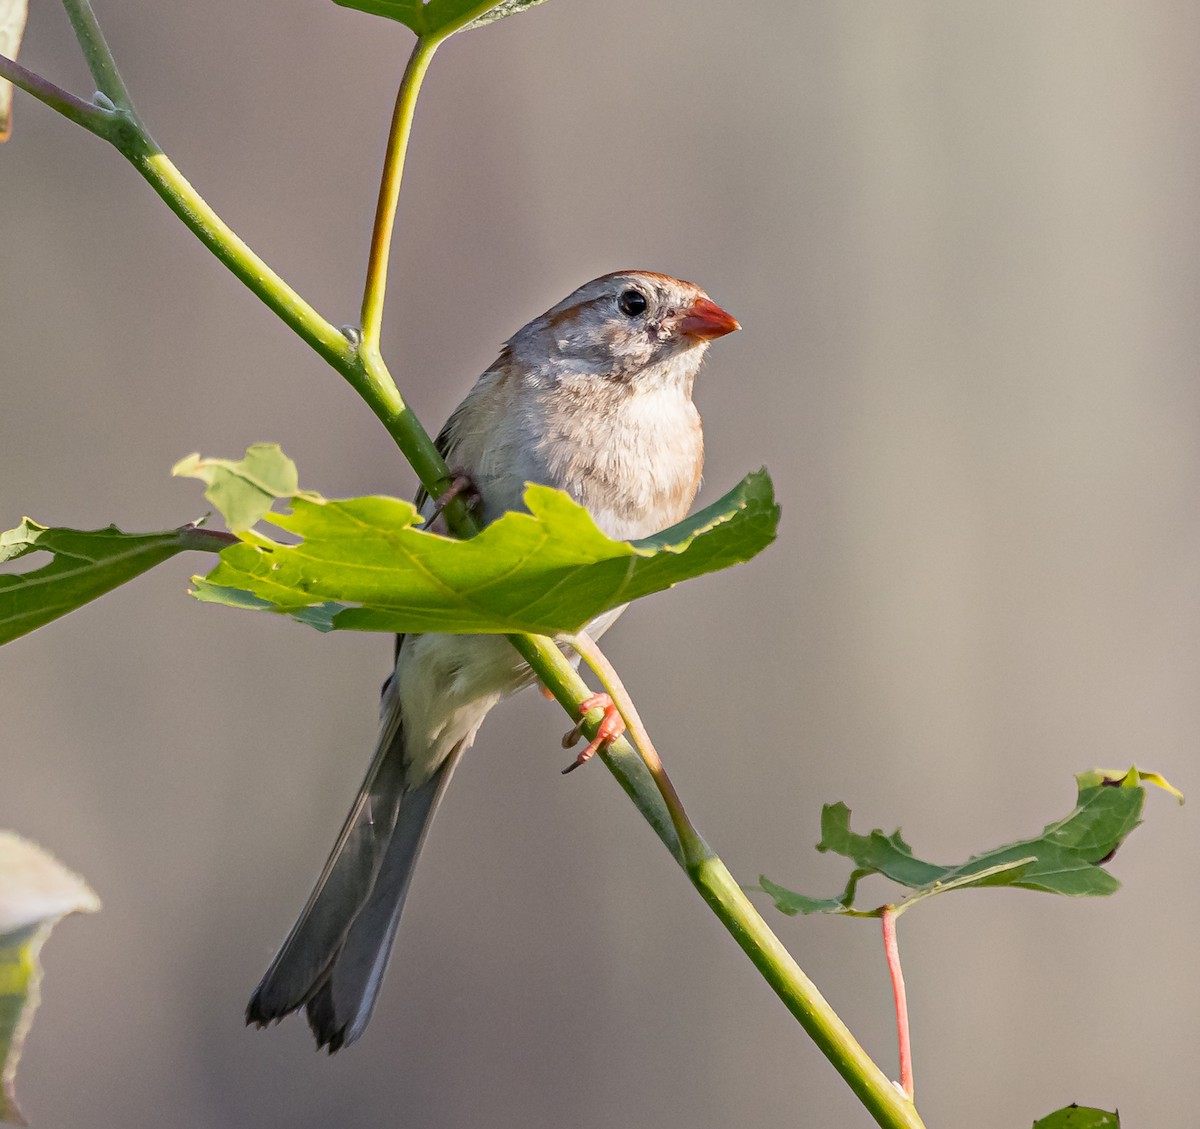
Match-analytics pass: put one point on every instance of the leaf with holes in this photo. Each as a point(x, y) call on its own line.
point(1066, 858)
point(363, 564)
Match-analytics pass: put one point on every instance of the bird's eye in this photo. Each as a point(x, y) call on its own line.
point(631, 303)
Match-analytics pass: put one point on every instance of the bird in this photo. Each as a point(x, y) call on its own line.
point(593, 397)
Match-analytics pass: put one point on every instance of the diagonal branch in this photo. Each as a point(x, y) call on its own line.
point(87, 114)
point(694, 848)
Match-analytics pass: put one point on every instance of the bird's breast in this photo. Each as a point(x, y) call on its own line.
point(632, 457)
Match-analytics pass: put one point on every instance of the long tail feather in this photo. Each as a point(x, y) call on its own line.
point(333, 960)
point(339, 1010)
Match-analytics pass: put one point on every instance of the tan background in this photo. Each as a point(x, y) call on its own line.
point(963, 240)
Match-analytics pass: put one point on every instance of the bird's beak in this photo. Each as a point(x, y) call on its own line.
point(705, 320)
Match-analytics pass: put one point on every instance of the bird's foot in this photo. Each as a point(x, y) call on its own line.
point(460, 486)
point(611, 726)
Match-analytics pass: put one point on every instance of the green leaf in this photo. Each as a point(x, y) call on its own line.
point(36, 891)
point(1064, 859)
point(876, 853)
point(1128, 778)
point(1079, 1117)
point(243, 490)
point(362, 564)
point(445, 13)
point(85, 564)
point(441, 18)
point(411, 13)
point(791, 903)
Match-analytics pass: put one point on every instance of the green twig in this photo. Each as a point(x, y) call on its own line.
point(87, 114)
point(882, 1099)
point(694, 848)
point(389, 190)
point(99, 58)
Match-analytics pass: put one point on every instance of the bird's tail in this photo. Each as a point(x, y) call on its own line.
point(333, 961)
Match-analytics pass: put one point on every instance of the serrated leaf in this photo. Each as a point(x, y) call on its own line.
point(36, 891)
point(791, 903)
point(85, 564)
point(363, 564)
point(1064, 859)
point(1079, 1117)
point(875, 853)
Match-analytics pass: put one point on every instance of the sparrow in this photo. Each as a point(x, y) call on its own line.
point(593, 397)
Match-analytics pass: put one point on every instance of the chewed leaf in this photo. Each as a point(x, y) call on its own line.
point(1128, 778)
point(1066, 858)
point(243, 490)
point(791, 903)
point(875, 853)
point(83, 564)
point(36, 891)
point(364, 564)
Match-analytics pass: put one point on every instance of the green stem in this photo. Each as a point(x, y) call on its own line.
point(389, 190)
point(99, 58)
point(694, 848)
point(365, 370)
point(230, 249)
point(87, 114)
point(725, 897)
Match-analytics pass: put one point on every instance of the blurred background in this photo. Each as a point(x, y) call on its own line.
point(963, 240)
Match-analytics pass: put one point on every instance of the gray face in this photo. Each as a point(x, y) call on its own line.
point(617, 325)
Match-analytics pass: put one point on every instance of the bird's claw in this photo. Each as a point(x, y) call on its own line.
point(460, 486)
point(611, 726)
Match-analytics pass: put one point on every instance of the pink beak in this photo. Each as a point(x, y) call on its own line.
point(706, 320)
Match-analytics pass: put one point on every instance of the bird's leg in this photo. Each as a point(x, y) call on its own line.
point(612, 725)
point(460, 485)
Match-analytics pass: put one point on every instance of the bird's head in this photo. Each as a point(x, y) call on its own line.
point(630, 326)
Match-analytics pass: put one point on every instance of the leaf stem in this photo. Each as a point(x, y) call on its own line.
point(206, 540)
point(389, 190)
point(892, 950)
